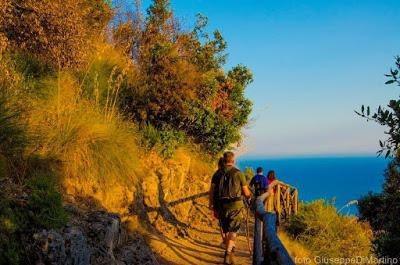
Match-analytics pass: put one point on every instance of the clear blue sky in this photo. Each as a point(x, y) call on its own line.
point(314, 63)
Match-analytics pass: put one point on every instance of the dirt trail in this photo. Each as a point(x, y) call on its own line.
point(202, 245)
point(179, 227)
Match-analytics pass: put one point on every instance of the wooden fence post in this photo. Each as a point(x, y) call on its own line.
point(277, 196)
point(295, 201)
point(288, 204)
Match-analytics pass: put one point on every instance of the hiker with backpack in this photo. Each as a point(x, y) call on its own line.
point(227, 188)
point(259, 182)
point(213, 194)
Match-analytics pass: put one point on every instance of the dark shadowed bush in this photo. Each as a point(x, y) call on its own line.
point(382, 211)
point(45, 203)
point(21, 217)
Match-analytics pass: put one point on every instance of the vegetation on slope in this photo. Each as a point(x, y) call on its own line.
point(327, 234)
point(179, 84)
point(86, 91)
point(382, 210)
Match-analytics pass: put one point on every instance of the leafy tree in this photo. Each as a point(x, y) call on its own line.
point(58, 31)
point(389, 117)
point(383, 209)
point(180, 83)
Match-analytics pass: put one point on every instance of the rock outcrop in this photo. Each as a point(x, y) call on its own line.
point(69, 247)
point(94, 237)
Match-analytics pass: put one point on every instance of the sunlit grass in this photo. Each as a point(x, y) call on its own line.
point(90, 140)
point(326, 233)
point(296, 250)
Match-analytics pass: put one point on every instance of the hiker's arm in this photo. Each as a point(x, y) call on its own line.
point(245, 189)
point(246, 192)
point(211, 197)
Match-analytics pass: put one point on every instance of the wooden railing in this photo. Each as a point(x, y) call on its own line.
point(274, 207)
point(283, 200)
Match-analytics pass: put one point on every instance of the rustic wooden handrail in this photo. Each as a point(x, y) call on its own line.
point(282, 199)
point(277, 204)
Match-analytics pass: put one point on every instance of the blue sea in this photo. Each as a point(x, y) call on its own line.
point(342, 178)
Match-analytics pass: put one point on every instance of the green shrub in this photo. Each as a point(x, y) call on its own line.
point(164, 140)
point(19, 218)
point(11, 224)
point(328, 234)
point(12, 138)
point(249, 173)
point(3, 167)
point(382, 211)
point(31, 66)
point(45, 203)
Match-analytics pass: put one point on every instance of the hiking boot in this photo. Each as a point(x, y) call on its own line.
point(229, 258)
point(232, 257)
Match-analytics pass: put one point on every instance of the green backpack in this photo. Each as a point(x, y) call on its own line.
point(228, 190)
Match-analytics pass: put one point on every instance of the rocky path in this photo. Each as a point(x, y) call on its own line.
point(202, 245)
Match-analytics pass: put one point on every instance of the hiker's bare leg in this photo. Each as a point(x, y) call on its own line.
point(230, 241)
point(230, 245)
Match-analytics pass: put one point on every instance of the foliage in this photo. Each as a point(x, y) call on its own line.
point(90, 140)
point(31, 67)
point(296, 249)
point(45, 203)
point(382, 210)
point(57, 31)
point(12, 138)
point(10, 226)
point(11, 145)
point(9, 78)
point(388, 117)
point(179, 81)
point(74, 106)
point(328, 234)
point(106, 76)
point(165, 140)
point(249, 173)
point(42, 209)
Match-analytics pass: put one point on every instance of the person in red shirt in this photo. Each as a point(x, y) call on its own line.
point(271, 177)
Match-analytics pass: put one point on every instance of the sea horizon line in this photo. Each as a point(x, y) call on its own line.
point(309, 156)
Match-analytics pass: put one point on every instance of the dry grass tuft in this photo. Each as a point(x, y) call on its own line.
point(91, 141)
point(296, 250)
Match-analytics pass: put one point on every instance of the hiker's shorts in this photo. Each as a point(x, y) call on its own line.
point(230, 219)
